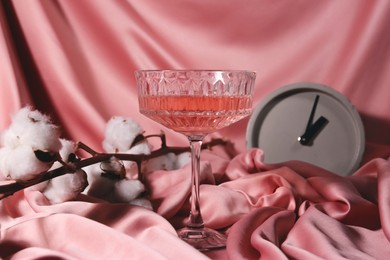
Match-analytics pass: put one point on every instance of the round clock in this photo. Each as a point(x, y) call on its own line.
point(308, 122)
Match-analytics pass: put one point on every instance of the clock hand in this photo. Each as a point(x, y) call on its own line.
point(313, 131)
point(311, 117)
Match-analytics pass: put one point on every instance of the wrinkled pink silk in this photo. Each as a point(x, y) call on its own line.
point(75, 61)
point(282, 211)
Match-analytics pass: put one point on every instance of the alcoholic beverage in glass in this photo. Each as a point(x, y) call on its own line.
point(196, 103)
point(195, 114)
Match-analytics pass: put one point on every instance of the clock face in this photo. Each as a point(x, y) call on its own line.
point(308, 122)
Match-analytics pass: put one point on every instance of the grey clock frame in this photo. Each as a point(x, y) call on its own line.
point(272, 99)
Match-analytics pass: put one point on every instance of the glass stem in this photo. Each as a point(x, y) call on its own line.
point(195, 219)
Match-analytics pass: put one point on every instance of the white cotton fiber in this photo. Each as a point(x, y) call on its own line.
point(127, 190)
point(164, 162)
point(93, 175)
point(182, 160)
point(131, 166)
point(113, 166)
point(141, 148)
point(167, 162)
point(29, 131)
point(120, 133)
point(100, 187)
point(40, 186)
point(67, 147)
point(143, 202)
point(131, 169)
point(20, 163)
point(65, 187)
point(32, 128)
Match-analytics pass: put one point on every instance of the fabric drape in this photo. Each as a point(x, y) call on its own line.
point(75, 60)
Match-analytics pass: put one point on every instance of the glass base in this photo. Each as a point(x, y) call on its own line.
point(203, 239)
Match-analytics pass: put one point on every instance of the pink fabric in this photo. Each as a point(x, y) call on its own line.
point(75, 61)
point(284, 211)
point(85, 54)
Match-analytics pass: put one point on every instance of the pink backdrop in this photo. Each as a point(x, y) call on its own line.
point(75, 60)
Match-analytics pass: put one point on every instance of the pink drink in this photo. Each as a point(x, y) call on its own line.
point(196, 103)
point(195, 114)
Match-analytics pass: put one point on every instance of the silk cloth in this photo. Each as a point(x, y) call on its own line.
point(75, 61)
point(289, 211)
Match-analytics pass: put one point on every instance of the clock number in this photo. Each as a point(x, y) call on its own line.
point(312, 129)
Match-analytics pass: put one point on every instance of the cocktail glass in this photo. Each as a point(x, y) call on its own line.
point(196, 103)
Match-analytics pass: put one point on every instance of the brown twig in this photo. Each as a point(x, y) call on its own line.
point(10, 188)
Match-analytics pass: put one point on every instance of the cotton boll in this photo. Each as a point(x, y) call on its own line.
point(10, 139)
point(141, 148)
point(32, 128)
point(131, 169)
point(143, 202)
point(127, 190)
point(65, 187)
point(131, 166)
point(113, 190)
point(4, 152)
point(4, 168)
point(163, 162)
point(93, 174)
point(99, 187)
point(113, 166)
point(21, 164)
point(67, 147)
point(120, 133)
point(102, 188)
point(182, 160)
point(40, 186)
point(29, 131)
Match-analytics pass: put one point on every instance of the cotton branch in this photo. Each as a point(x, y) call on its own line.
point(96, 157)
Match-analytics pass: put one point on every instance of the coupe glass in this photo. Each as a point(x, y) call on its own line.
point(196, 103)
